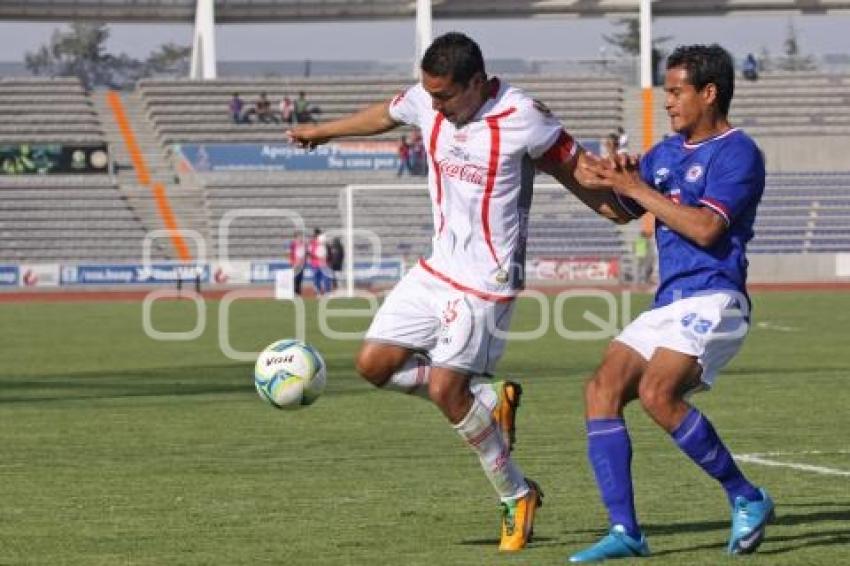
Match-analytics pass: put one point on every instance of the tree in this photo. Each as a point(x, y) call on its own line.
point(78, 53)
point(81, 52)
point(169, 59)
point(627, 42)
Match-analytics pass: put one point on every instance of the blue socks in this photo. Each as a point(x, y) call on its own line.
point(698, 439)
point(609, 450)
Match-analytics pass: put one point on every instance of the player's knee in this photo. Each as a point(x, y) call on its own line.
point(371, 368)
point(655, 397)
point(604, 389)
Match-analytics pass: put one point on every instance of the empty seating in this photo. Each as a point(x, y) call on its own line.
point(68, 218)
point(804, 213)
point(787, 104)
point(37, 110)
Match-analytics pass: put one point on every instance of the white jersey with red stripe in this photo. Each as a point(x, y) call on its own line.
point(480, 184)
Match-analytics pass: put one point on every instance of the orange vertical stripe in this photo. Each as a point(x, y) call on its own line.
point(141, 168)
point(163, 206)
point(167, 215)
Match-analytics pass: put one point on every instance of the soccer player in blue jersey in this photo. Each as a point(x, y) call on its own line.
point(703, 185)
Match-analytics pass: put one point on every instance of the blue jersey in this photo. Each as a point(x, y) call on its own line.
point(724, 173)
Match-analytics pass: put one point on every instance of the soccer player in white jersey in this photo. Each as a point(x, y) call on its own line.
point(436, 334)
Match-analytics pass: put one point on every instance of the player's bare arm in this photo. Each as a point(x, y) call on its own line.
point(699, 224)
point(589, 188)
point(372, 120)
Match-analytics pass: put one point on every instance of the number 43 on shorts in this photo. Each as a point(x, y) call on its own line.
point(698, 325)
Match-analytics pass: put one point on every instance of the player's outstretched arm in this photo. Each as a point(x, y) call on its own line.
point(373, 120)
point(589, 189)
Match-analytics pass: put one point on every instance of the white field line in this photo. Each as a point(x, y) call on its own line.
point(767, 325)
point(760, 459)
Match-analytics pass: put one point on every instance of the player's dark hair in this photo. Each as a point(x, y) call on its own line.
point(707, 64)
point(453, 55)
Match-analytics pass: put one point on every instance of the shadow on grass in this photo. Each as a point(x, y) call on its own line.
point(784, 519)
point(801, 540)
point(536, 541)
point(155, 382)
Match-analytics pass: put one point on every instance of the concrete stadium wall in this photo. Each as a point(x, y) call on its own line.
point(809, 153)
point(799, 268)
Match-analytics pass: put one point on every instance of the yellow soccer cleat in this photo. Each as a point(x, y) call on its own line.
point(504, 413)
point(518, 519)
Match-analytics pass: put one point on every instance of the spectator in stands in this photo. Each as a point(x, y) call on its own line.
point(622, 140)
point(297, 259)
point(287, 110)
point(317, 255)
point(418, 165)
point(750, 68)
point(644, 256)
point(404, 157)
point(303, 110)
point(235, 107)
point(336, 257)
point(263, 110)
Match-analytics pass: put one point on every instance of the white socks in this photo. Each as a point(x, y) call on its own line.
point(413, 376)
point(482, 434)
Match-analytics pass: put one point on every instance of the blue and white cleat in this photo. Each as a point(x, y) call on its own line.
point(616, 544)
point(749, 520)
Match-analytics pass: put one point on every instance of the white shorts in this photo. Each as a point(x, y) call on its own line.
point(710, 327)
point(457, 330)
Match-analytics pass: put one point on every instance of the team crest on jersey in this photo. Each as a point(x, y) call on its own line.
point(694, 173)
point(459, 152)
point(542, 108)
point(661, 175)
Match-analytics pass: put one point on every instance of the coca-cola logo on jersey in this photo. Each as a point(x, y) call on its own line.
point(467, 172)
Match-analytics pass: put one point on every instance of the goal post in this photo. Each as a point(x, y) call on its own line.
point(376, 202)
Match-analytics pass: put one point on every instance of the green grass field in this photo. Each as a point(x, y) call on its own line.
point(118, 449)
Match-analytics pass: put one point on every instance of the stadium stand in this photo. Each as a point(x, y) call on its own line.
point(804, 213)
point(62, 218)
point(40, 110)
point(786, 104)
point(185, 111)
point(68, 218)
point(315, 197)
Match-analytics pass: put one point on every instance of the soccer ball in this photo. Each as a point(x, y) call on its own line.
point(289, 374)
